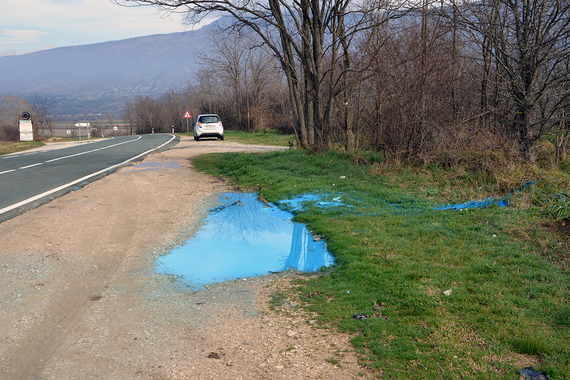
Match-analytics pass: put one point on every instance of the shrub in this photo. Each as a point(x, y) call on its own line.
point(9, 133)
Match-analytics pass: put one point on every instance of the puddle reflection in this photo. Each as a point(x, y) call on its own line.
point(246, 239)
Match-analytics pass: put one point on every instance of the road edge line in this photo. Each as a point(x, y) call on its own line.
point(101, 173)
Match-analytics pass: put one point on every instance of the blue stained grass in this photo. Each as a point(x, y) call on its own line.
point(476, 204)
point(491, 201)
point(320, 200)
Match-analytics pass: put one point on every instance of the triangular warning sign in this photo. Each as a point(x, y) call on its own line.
point(187, 115)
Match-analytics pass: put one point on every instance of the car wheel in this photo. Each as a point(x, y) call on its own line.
point(196, 138)
point(221, 137)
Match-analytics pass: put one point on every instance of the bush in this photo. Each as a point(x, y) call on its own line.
point(558, 205)
point(286, 129)
point(9, 133)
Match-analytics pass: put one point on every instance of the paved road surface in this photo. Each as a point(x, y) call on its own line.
point(30, 179)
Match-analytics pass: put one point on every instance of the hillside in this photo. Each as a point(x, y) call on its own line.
point(97, 78)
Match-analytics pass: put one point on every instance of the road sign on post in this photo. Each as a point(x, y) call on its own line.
point(187, 116)
point(26, 127)
point(79, 125)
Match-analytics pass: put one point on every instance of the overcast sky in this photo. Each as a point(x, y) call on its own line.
point(32, 25)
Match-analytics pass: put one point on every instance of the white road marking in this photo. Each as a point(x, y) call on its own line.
point(71, 155)
point(94, 150)
point(31, 166)
point(49, 192)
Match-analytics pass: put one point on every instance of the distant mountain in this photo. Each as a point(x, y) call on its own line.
point(97, 78)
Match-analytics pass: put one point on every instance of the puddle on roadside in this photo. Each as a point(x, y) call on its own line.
point(245, 238)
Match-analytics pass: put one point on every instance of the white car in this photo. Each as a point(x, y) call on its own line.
point(208, 125)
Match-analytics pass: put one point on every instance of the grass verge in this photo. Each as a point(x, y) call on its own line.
point(14, 147)
point(264, 137)
point(473, 294)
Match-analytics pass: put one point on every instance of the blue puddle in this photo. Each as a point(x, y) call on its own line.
point(245, 238)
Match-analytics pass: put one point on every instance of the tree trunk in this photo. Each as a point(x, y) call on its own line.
point(288, 64)
point(347, 86)
point(317, 74)
point(306, 46)
point(526, 135)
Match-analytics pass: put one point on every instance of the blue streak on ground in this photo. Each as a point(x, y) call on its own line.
point(245, 239)
point(476, 204)
point(499, 201)
point(300, 203)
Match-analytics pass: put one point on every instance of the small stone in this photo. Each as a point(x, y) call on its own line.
point(213, 355)
point(447, 292)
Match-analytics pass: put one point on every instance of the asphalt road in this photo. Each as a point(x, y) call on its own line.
point(30, 179)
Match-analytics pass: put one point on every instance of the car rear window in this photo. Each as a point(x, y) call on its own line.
point(209, 119)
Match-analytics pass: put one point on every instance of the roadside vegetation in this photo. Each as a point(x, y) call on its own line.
point(447, 294)
point(409, 78)
point(14, 147)
point(262, 137)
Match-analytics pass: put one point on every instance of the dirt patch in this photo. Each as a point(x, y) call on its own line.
point(80, 298)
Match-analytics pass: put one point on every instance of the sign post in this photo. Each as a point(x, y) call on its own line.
point(79, 125)
point(26, 127)
point(187, 116)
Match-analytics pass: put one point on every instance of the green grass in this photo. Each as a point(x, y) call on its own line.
point(507, 268)
point(14, 147)
point(264, 137)
point(277, 300)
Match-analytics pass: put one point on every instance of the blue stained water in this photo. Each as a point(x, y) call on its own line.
point(245, 238)
point(299, 203)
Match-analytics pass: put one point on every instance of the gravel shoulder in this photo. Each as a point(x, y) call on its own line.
point(79, 298)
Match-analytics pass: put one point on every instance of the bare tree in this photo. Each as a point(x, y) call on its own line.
point(147, 115)
point(129, 115)
point(176, 105)
point(529, 41)
point(41, 109)
point(12, 107)
point(417, 90)
point(301, 32)
point(111, 120)
point(242, 76)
